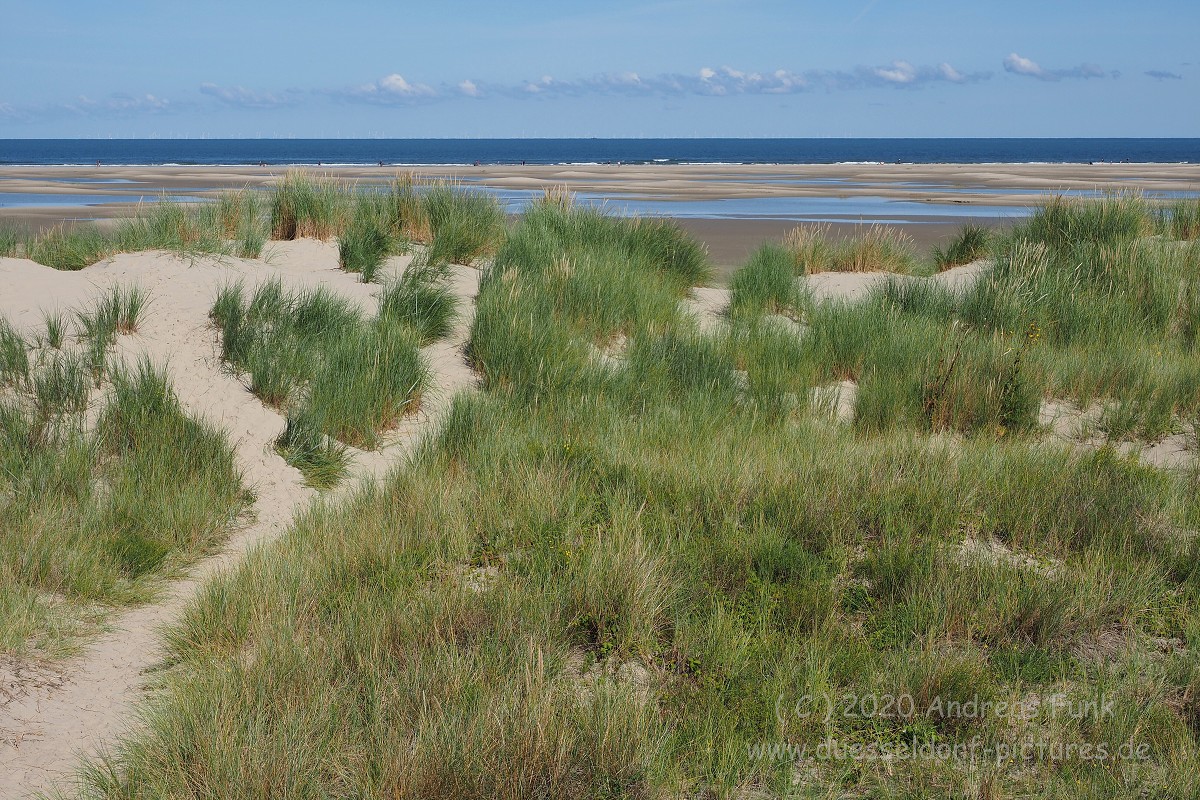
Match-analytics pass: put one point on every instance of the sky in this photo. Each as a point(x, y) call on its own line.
point(674, 68)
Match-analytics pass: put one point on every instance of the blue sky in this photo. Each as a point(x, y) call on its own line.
point(615, 68)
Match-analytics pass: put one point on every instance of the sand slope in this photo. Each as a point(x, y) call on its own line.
point(47, 720)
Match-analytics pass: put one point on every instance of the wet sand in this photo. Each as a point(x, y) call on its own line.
point(990, 184)
point(946, 192)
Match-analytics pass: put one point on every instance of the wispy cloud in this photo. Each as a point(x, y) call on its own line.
point(395, 89)
point(1020, 65)
point(727, 80)
point(242, 97)
point(120, 104)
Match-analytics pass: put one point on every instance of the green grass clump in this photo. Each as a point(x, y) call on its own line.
point(56, 329)
point(367, 382)
point(238, 217)
point(233, 224)
point(61, 385)
point(363, 247)
point(466, 226)
point(405, 210)
point(969, 244)
point(879, 249)
point(323, 461)
point(12, 240)
point(569, 281)
point(1063, 223)
point(70, 248)
point(765, 285)
point(14, 355)
point(336, 374)
point(1182, 220)
point(1077, 304)
point(167, 225)
point(914, 370)
point(306, 207)
point(89, 520)
point(422, 301)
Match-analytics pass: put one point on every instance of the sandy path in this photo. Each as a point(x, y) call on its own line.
point(47, 724)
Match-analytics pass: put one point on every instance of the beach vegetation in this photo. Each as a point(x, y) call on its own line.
point(12, 240)
point(93, 518)
point(364, 246)
point(70, 248)
point(305, 206)
point(465, 226)
point(1181, 221)
point(968, 245)
point(336, 374)
point(645, 561)
point(422, 301)
point(878, 248)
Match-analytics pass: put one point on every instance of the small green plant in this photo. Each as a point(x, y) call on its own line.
point(363, 247)
point(61, 385)
point(12, 240)
point(56, 329)
point(71, 248)
point(422, 301)
point(322, 460)
point(306, 207)
point(466, 225)
point(337, 375)
point(14, 355)
point(1183, 220)
point(969, 244)
point(766, 285)
point(880, 248)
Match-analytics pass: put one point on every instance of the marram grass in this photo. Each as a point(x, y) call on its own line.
point(627, 566)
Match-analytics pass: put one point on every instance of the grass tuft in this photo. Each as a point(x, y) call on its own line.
point(70, 248)
point(969, 244)
point(306, 207)
point(363, 247)
point(880, 248)
point(422, 301)
point(467, 226)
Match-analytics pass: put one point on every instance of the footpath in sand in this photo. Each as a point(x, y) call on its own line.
point(51, 716)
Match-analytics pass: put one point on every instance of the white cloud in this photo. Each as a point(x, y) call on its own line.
point(1023, 66)
point(707, 74)
point(950, 73)
point(1019, 65)
point(469, 88)
point(397, 85)
point(898, 72)
point(388, 90)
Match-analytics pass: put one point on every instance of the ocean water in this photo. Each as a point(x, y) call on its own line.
point(593, 151)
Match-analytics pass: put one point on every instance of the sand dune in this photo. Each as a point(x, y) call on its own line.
point(49, 718)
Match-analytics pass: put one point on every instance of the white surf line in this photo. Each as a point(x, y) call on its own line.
point(51, 728)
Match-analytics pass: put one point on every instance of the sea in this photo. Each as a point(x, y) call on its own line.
point(450, 152)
